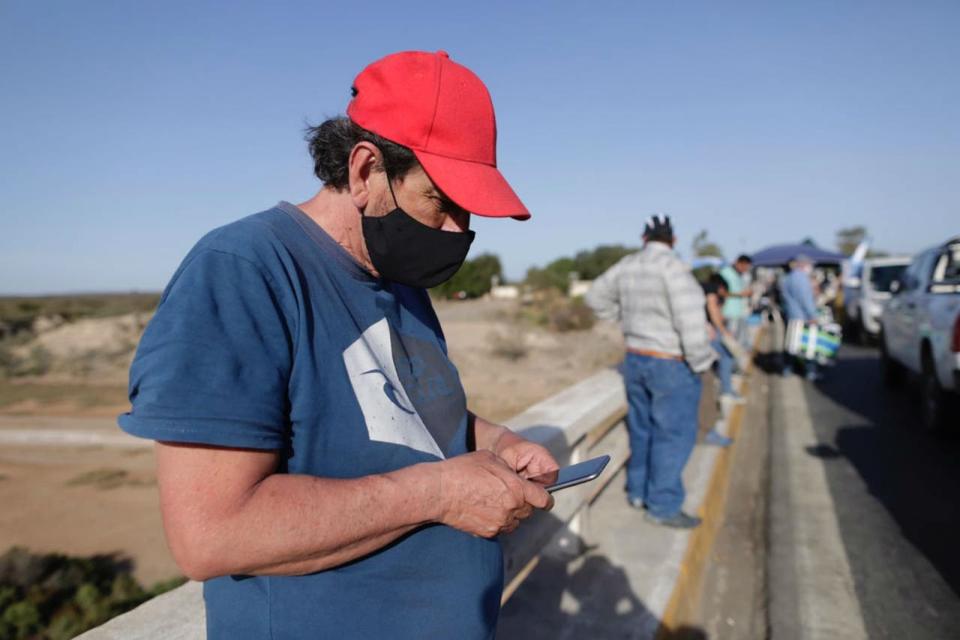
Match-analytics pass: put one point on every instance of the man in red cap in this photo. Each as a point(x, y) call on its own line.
point(317, 464)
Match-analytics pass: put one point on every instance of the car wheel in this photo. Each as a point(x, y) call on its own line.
point(852, 331)
point(863, 336)
point(932, 399)
point(891, 371)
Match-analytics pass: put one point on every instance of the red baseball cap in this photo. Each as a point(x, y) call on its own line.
point(441, 111)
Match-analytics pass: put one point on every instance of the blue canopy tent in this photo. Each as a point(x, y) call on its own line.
point(779, 255)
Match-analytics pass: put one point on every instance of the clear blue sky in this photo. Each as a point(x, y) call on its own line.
point(129, 129)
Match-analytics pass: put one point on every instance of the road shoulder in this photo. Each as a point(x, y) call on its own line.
point(733, 602)
point(812, 593)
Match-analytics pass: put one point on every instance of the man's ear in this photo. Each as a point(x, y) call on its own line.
point(363, 160)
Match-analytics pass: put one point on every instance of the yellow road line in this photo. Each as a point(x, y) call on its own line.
point(685, 599)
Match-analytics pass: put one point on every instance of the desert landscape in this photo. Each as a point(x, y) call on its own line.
point(71, 482)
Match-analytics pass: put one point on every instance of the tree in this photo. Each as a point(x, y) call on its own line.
point(703, 246)
point(473, 279)
point(589, 265)
point(555, 275)
point(849, 238)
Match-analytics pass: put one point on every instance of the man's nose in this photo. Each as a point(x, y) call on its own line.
point(458, 222)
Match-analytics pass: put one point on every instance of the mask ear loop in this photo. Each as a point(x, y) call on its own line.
point(390, 186)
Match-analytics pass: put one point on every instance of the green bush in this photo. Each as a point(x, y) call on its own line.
point(555, 276)
point(21, 620)
point(56, 597)
point(473, 279)
point(20, 312)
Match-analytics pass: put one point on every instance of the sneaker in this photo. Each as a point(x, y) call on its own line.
point(734, 398)
point(787, 372)
point(678, 521)
point(813, 376)
point(636, 503)
point(717, 439)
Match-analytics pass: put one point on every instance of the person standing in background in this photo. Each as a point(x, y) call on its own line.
point(736, 307)
point(715, 291)
point(659, 305)
point(800, 308)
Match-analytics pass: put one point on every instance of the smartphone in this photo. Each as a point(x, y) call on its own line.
point(573, 475)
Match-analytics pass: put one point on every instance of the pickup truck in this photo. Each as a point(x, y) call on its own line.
point(920, 332)
point(864, 302)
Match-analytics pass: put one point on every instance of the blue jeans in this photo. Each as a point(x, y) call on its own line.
point(663, 398)
point(725, 362)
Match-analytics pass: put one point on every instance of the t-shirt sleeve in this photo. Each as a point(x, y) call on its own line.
point(214, 363)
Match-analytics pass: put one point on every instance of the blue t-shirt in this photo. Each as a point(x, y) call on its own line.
point(796, 293)
point(270, 336)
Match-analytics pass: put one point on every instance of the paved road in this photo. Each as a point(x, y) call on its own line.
point(896, 493)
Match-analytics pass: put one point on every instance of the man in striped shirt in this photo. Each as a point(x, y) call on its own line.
point(660, 307)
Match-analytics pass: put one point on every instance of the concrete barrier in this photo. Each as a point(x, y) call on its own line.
point(575, 424)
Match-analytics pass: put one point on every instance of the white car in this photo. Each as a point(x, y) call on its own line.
point(864, 304)
point(920, 331)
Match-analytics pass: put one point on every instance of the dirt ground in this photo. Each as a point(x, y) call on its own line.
point(103, 498)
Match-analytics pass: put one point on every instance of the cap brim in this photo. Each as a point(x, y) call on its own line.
point(479, 188)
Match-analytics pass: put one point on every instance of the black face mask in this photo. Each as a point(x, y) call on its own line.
point(407, 251)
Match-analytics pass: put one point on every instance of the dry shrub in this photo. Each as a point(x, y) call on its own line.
point(32, 361)
point(509, 346)
point(571, 314)
point(103, 479)
point(558, 313)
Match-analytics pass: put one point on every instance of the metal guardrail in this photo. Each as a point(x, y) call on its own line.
point(575, 424)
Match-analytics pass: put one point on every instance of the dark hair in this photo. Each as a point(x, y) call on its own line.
point(331, 142)
point(718, 281)
point(744, 258)
point(658, 228)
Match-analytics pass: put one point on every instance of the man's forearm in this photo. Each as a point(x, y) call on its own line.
point(488, 435)
point(295, 524)
point(716, 316)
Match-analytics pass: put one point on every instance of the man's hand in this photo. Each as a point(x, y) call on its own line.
point(481, 495)
point(526, 458)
